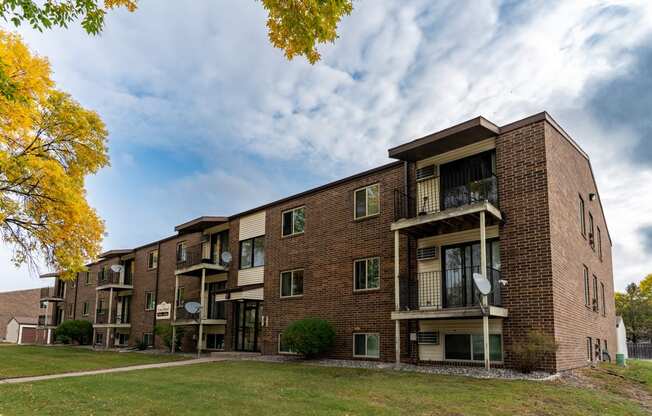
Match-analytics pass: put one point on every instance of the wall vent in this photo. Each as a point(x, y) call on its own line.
point(427, 253)
point(428, 337)
point(426, 172)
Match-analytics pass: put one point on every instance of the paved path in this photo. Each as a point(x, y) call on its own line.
point(111, 370)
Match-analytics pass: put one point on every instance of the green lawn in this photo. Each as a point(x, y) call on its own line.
point(256, 388)
point(27, 360)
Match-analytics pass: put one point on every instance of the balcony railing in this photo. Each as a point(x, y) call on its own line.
point(51, 292)
point(112, 278)
point(216, 310)
point(103, 318)
point(184, 315)
point(195, 255)
point(46, 320)
point(452, 288)
point(432, 197)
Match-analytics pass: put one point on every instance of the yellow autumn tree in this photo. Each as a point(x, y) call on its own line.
point(48, 145)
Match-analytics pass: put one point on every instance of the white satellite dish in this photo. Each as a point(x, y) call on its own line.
point(226, 257)
point(192, 307)
point(482, 283)
point(116, 268)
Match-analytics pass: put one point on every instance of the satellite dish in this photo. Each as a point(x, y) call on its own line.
point(482, 283)
point(192, 307)
point(226, 257)
point(116, 268)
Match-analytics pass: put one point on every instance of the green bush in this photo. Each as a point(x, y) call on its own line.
point(74, 332)
point(165, 332)
point(141, 345)
point(309, 337)
point(536, 347)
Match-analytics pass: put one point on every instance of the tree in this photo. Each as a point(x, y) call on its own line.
point(48, 145)
point(635, 307)
point(296, 26)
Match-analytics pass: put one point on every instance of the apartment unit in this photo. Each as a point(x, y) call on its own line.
point(389, 257)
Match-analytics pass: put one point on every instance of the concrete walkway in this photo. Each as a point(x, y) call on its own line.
point(111, 370)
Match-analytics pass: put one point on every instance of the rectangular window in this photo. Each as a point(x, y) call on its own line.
point(605, 346)
point(252, 252)
point(88, 278)
point(150, 302)
point(582, 217)
point(148, 339)
point(181, 252)
point(214, 341)
point(100, 307)
point(596, 307)
point(367, 201)
point(292, 283)
point(181, 292)
point(587, 294)
point(85, 309)
point(366, 345)
point(70, 311)
point(99, 338)
point(293, 221)
point(367, 274)
point(604, 305)
point(282, 347)
point(470, 347)
point(152, 259)
point(591, 232)
point(598, 237)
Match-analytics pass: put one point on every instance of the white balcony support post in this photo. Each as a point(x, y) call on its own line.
point(174, 313)
point(97, 296)
point(397, 297)
point(201, 312)
point(108, 330)
point(485, 303)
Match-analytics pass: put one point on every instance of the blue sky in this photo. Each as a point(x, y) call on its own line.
point(207, 118)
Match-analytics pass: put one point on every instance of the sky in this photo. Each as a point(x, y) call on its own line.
point(207, 118)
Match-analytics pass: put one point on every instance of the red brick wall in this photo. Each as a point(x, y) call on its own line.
point(22, 303)
point(569, 176)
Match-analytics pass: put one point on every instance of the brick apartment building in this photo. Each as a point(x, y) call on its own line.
point(18, 303)
point(387, 256)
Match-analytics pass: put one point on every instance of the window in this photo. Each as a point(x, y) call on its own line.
point(99, 337)
point(366, 345)
point(252, 252)
point(100, 307)
point(589, 349)
point(148, 339)
point(367, 201)
point(605, 346)
point(181, 252)
point(88, 278)
point(70, 311)
point(604, 305)
point(43, 304)
point(293, 221)
point(598, 237)
point(282, 347)
point(150, 302)
point(181, 291)
point(591, 231)
point(152, 259)
point(85, 309)
point(470, 347)
point(292, 283)
point(582, 217)
point(367, 274)
point(587, 295)
point(596, 307)
point(214, 341)
point(122, 339)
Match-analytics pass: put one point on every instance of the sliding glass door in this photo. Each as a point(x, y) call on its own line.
point(459, 264)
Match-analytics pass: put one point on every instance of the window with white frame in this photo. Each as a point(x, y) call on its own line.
point(293, 221)
point(148, 339)
point(367, 201)
point(367, 273)
point(182, 252)
point(366, 345)
point(85, 309)
point(152, 259)
point(150, 301)
point(283, 348)
point(252, 252)
point(470, 347)
point(291, 283)
point(587, 294)
point(181, 292)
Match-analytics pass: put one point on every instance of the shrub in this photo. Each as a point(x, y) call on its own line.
point(74, 332)
point(165, 332)
point(536, 347)
point(309, 337)
point(141, 345)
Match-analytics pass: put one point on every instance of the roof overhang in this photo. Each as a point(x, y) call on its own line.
point(115, 253)
point(49, 275)
point(200, 224)
point(460, 135)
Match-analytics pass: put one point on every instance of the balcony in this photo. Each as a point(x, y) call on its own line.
point(215, 314)
point(47, 321)
point(52, 294)
point(117, 320)
point(114, 280)
point(442, 206)
point(195, 260)
point(447, 295)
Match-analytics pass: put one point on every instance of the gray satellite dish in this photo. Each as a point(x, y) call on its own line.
point(116, 268)
point(482, 283)
point(192, 307)
point(226, 257)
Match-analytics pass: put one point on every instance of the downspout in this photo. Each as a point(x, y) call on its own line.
point(406, 190)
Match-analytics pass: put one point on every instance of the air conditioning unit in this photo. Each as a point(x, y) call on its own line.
point(427, 253)
point(428, 337)
point(426, 172)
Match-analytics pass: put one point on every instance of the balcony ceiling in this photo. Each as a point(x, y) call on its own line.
point(461, 135)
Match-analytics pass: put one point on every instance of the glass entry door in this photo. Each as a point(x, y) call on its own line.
point(247, 324)
point(459, 264)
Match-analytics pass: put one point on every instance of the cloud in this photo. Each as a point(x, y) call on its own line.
point(646, 236)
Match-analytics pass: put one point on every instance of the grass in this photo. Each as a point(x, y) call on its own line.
point(254, 388)
point(27, 360)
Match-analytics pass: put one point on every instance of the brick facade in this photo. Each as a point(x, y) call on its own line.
point(23, 303)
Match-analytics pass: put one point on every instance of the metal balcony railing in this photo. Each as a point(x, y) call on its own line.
point(50, 292)
point(432, 197)
point(195, 255)
point(452, 288)
point(103, 317)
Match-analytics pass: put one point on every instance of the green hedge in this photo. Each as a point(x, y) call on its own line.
point(309, 337)
point(74, 332)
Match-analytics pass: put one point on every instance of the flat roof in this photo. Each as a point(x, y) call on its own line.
point(115, 253)
point(200, 223)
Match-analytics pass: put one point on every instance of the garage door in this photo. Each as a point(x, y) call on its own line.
point(29, 336)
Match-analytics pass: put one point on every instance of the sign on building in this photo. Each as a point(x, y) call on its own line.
point(163, 310)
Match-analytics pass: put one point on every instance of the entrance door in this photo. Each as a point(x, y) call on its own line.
point(247, 323)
